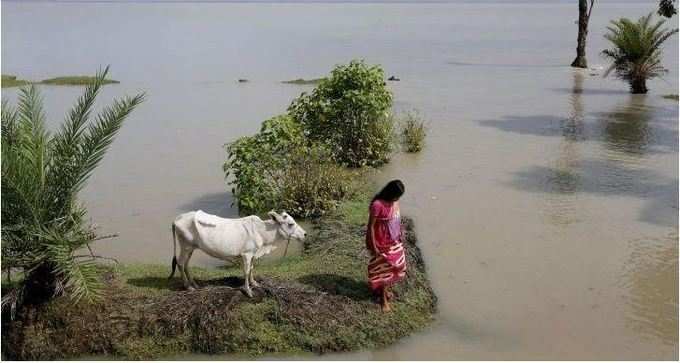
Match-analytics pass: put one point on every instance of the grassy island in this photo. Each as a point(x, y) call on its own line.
point(317, 302)
point(671, 97)
point(302, 81)
point(9, 80)
point(75, 81)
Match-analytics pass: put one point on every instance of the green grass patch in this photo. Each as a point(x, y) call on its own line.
point(302, 81)
point(316, 302)
point(9, 80)
point(74, 81)
point(671, 97)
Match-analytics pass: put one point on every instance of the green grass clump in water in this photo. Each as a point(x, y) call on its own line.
point(317, 302)
point(671, 97)
point(304, 81)
point(74, 81)
point(9, 80)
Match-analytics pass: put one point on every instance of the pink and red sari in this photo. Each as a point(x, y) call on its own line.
point(389, 265)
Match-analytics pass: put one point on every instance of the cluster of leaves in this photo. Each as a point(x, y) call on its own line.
point(667, 8)
point(413, 132)
point(636, 52)
point(349, 111)
point(278, 168)
point(43, 229)
point(298, 160)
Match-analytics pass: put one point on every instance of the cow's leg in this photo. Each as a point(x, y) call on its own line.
point(250, 275)
point(247, 260)
point(184, 255)
point(186, 270)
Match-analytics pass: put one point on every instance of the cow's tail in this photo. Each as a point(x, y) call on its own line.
point(174, 252)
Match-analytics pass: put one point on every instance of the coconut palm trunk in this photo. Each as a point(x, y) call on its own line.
point(584, 12)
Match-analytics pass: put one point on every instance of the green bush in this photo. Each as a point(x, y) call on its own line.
point(312, 184)
point(413, 133)
point(349, 111)
point(277, 169)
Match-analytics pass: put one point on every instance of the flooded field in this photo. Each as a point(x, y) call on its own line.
point(546, 200)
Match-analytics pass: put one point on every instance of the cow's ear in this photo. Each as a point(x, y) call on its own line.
point(274, 216)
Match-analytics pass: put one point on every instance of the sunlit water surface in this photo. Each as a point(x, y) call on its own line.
point(546, 199)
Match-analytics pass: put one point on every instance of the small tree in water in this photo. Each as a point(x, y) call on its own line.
point(43, 232)
point(636, 51)
point(667, 8)
point(584, 11)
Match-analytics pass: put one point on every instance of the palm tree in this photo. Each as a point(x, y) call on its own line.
point(636, 52)
point(43, 229)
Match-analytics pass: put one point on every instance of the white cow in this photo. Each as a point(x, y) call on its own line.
point(249, 237)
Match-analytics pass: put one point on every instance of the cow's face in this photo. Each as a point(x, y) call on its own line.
point(287, 225)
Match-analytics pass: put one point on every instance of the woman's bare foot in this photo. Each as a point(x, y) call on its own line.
point(386, 301)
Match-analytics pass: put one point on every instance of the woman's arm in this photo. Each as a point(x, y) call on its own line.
point(370, 234)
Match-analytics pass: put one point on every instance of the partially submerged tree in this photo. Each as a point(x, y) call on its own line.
point(43, 228)
point(636, 51)
point(585, 8)
point(667, 8)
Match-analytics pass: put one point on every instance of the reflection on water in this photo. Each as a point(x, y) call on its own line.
point(565, 180)
point(651, 277)
point(627, 128)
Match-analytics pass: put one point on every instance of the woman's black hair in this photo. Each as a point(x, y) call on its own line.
point(391, 192)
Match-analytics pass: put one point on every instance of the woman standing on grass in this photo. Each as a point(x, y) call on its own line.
point(383, 239)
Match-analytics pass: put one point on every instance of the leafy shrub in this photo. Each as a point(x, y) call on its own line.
point(349, 112)
point(277, 169)
point(313, 184)
point(43, 232)
point(413, 133)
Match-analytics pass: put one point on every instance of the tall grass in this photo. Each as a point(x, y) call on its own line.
point(413, 132)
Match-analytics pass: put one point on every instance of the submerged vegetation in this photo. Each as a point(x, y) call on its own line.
point(636, 51)
point(303, 81)
point(413, 133)
point(9, 80)
point(12, 81)
point(43, 227)
point(76, 81)
point(317, 302)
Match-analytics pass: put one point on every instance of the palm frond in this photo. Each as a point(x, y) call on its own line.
point(100, 135)
point(78, 278)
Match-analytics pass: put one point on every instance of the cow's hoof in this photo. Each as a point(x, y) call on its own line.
point(248, 292)
point(190, 288)
point(254, 283)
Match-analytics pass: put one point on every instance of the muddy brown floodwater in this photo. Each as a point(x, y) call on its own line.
point(546, 198)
